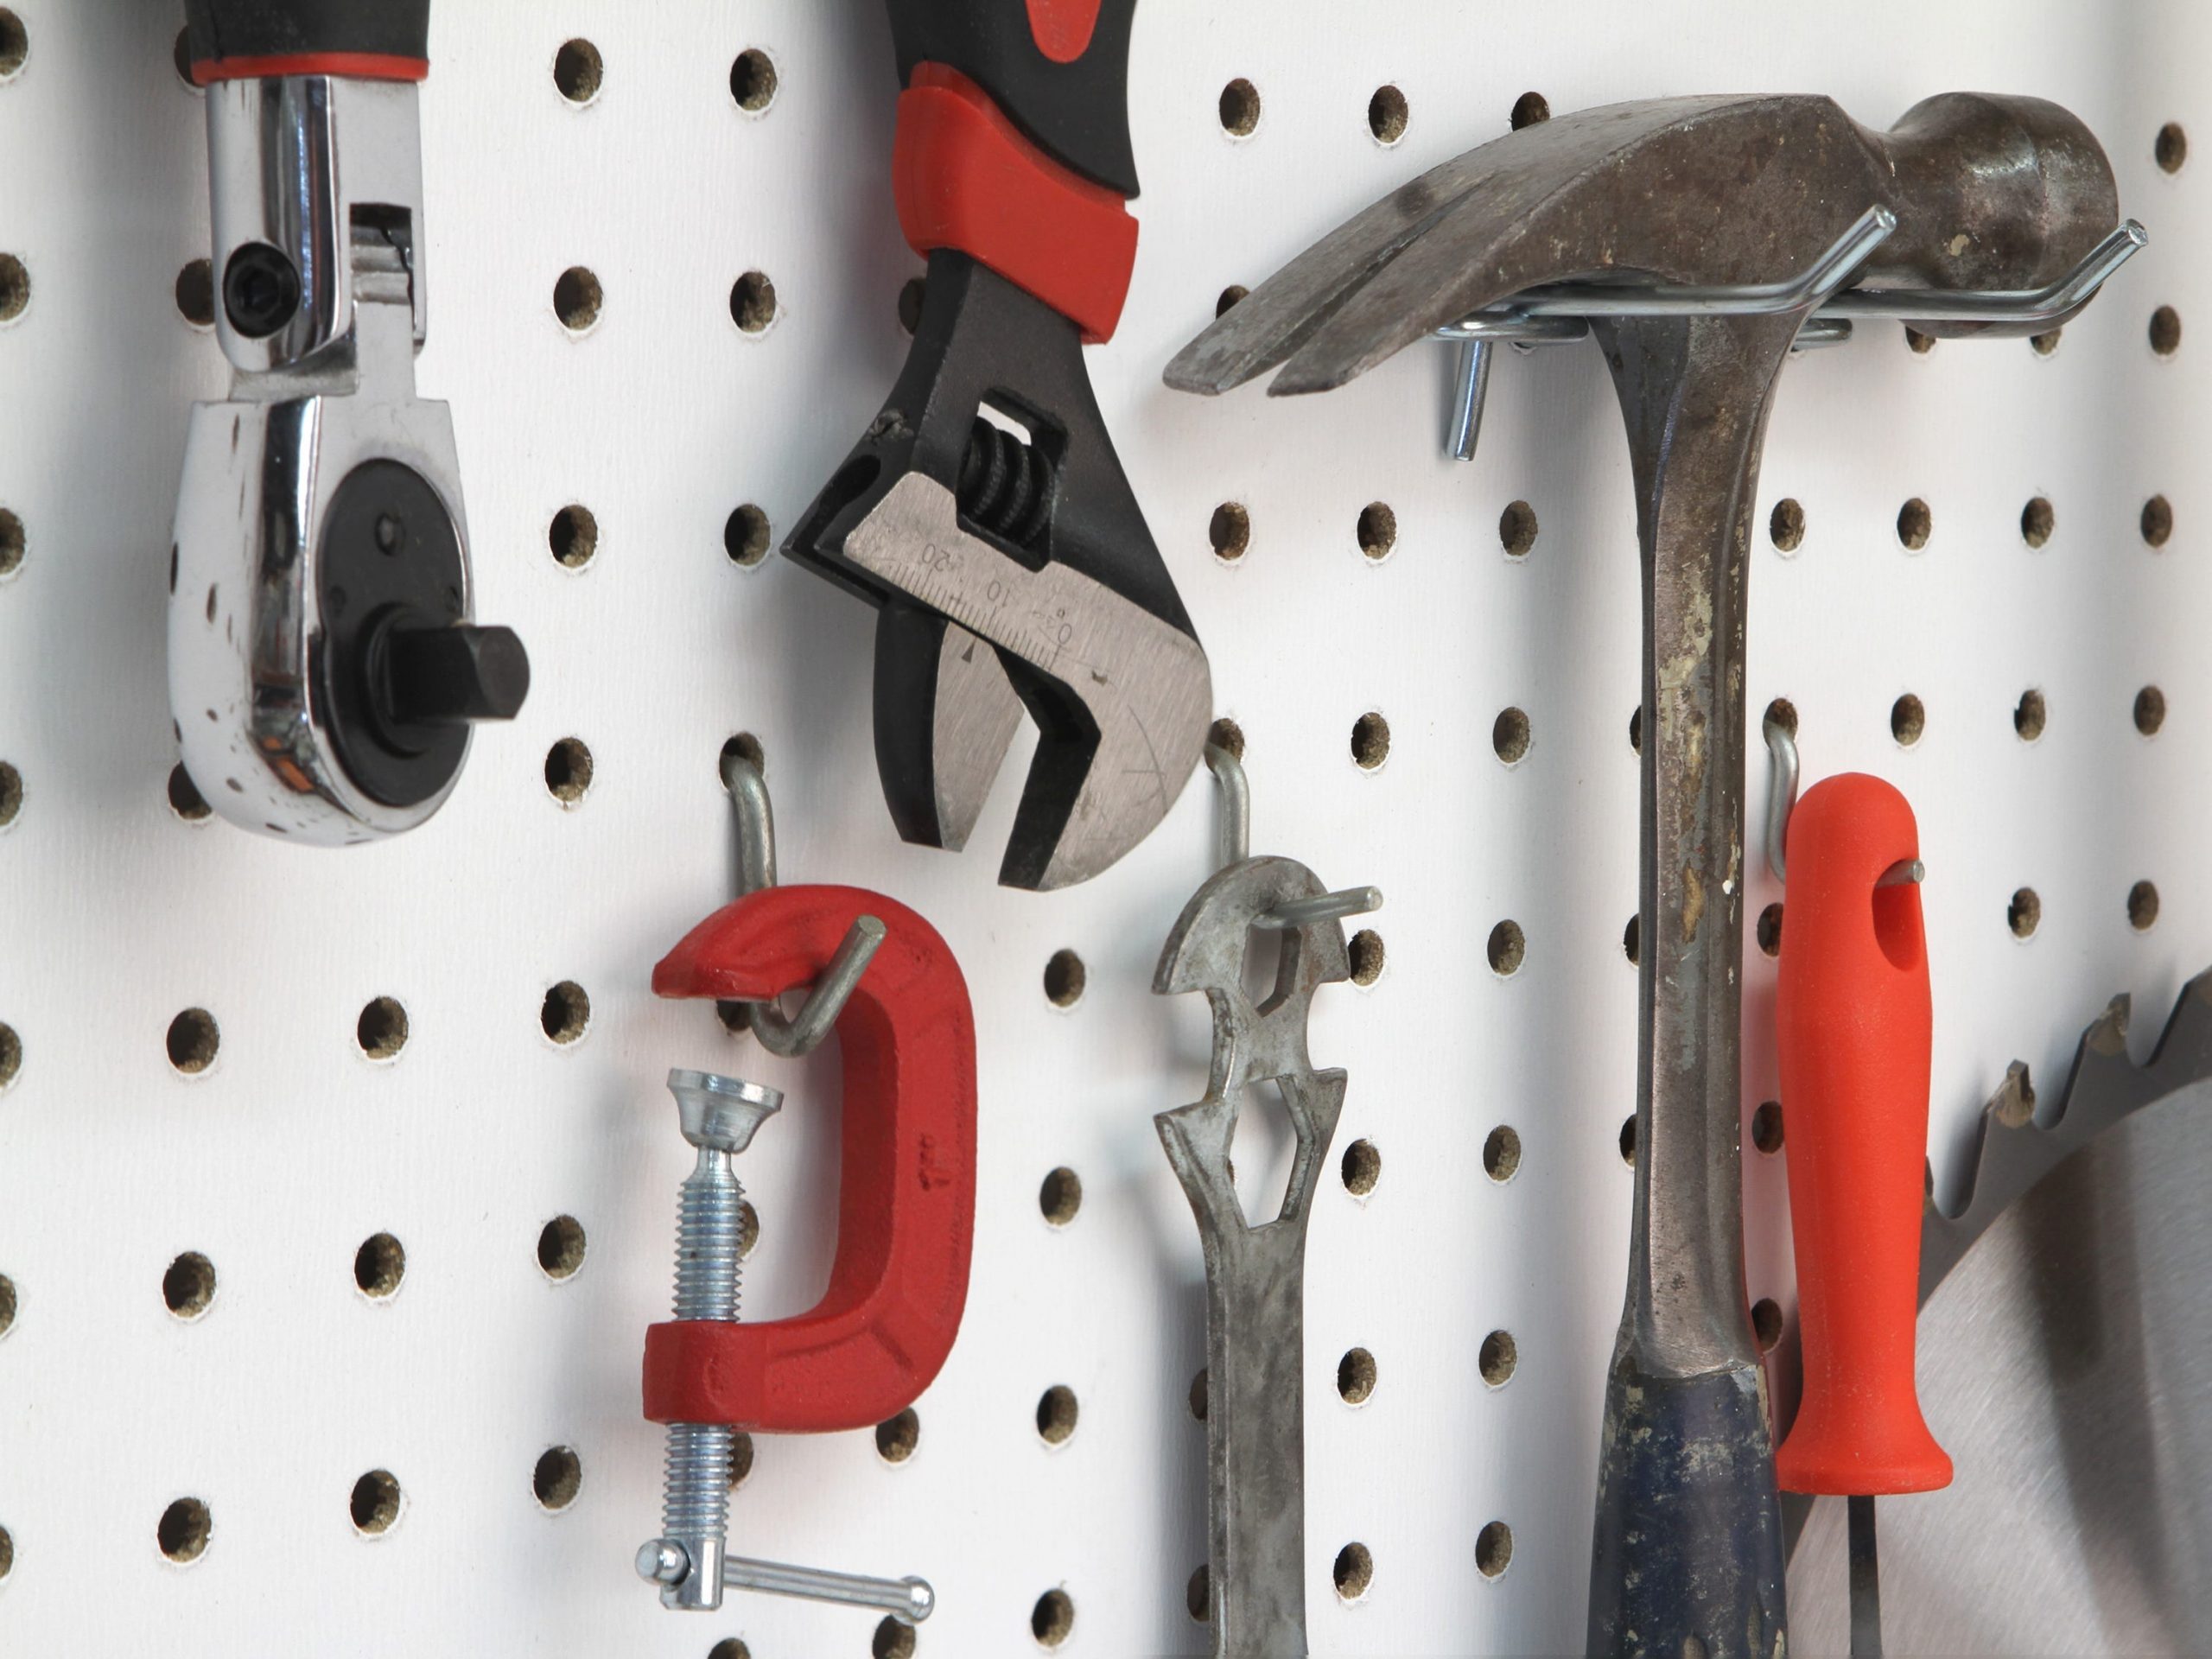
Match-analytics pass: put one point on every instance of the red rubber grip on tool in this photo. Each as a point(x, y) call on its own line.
point(1062, 29)
point(906, 1206)
point(358, 65)
point(1855, 1024)
point(965, 178)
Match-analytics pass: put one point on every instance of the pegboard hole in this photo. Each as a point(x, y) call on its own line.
point(1197, 1397)
point(1225, 734)
point(897, 1437)
point(1370, 741)
point(573, 537)
point(1636, 730)
point(1785, 526)
point(2165, 331)
point(1240, 108)
point(2024, 913)
point(1917, 343)
point(1064, 978)
point(1366, 953)
point(1060, 1197)
point(12, 543)
point(14, 288)
point(379, 1266)
point(2157, 521)
point(748, 1227)
point(1507, 949)
point(382, 1029)
point(1508, 735)
point(2037, 520)
point(1766, 1126)
point(1632, 941)
point(1355, 1377)
point(1915, 522)
point(1907, 719)
point(1517, 529)
point(1494, 1550)
point(2029, 715)
point(740, 1458)
point(1766, 1323)
point(567, 771)
point(1228, 298)
point(11, 794)
point(188, 1286)
point(11, 1055)
point(1051, 1621)
point(185, 798)
point(1230, 531)
point(1056, 1415)
point(912, 293)
point(1378, 530)
point(753, 302)
point(1783, 713)
point(7, 1554)
point(1387, 115)
point(1769, 930)
point(195, 294)
point(892, 1640)
point(1354, 1572)
point(565, 1015)
point(193, 1041)
point(181, 58)
point(752, 81)
point(578, 70)
point(1361, 1168)
point(1198, 1594)
point(1528, 109)
point(2170, 148)
point(1502, 1153)
point(576, 299)
point(2044, 344)
point(1498, 1357)
point(2142, 906)
point(7, 1304)
point(1628, 1140)
point(557, 1478)
point(16, 45)
point(746, 537)
point(184, 1529)
point(560, 1246)
point(2149, 711)
point(374, 1505)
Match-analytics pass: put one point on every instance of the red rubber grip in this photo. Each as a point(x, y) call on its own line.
point(906, 1203)
point(356, 66)
point(1062, 29)
point(965, 177)
point(1855, 1024)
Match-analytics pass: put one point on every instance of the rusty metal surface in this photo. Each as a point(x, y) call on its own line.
point(1988, 192)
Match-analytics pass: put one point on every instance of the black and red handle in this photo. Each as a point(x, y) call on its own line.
point(370, 40)
point(1014, 144)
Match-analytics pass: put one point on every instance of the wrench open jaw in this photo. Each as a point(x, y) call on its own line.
point(986, 515)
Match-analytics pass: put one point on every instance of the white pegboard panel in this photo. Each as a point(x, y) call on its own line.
point(280, 1158)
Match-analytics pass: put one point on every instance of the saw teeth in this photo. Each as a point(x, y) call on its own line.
point(2015, 1150)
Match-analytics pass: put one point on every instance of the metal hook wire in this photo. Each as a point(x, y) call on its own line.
point(792, 1035)
point(1237, 847)
point(1781, 800)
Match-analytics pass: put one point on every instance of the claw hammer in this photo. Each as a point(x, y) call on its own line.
point(1988, 193)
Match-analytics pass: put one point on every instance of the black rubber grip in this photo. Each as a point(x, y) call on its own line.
point(288, 29)
point(1077, 113)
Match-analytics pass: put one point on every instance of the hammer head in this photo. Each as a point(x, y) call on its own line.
point(1989, 191)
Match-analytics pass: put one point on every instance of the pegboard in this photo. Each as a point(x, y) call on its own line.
point(284, 1162)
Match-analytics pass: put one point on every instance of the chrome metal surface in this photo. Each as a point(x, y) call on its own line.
point(2062, 1361)
point(1865, 1580)
point(1470, 389)
point(1236, 803)
point(1781, 791)
point(1322, 907)
point(1255, 1272)
point(2026, 306)
point(973, 719)
point(1144, 684)
point(909, 1600)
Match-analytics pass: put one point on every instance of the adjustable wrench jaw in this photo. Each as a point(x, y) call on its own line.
point(1012, 571)
point(323, 664)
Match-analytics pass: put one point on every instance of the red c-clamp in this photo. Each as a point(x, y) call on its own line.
point(907, 1210)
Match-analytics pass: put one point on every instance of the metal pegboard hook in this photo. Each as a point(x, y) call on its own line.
point(802, 1032)
point(1237, 847)
point(1782, 799)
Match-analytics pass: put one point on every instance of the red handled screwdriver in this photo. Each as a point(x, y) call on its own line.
point(1853, 1019)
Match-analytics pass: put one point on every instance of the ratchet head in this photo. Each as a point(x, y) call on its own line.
point(987, 516)
point(1988, 192)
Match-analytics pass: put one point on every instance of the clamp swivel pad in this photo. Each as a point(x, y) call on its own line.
point(906, 1210)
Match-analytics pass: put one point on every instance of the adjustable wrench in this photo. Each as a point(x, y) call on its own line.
point(984, 512)
point(1986, 193)
point(324, 664)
